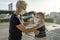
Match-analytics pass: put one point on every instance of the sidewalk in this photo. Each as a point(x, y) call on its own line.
point(4, 23)
point(50, 27)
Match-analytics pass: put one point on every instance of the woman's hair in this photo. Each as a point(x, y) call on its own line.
point(21, 3)
point(41, 14)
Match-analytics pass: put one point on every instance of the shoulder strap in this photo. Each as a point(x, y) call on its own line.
point(21, 21)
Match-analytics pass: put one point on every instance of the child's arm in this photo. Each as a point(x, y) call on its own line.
point(27, 23)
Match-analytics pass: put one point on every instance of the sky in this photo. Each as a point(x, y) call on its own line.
point(34, 5)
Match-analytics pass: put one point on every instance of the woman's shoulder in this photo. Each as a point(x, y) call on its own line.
point(13, 16)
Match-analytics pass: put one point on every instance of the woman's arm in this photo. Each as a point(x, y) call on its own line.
point(23, 29)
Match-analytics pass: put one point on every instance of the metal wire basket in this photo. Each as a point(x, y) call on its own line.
point(49, 36)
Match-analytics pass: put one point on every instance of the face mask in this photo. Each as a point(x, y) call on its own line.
point(22, 12)
point(36, 20)
point(18, 16)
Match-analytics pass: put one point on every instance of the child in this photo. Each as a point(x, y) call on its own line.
point(40, 33)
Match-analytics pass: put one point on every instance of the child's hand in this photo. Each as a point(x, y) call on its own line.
point(32, 21)
point(36, 32)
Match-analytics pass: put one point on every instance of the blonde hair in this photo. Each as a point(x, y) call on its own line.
point(21, 3)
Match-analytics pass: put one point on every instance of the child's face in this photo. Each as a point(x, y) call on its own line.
point(39, 16)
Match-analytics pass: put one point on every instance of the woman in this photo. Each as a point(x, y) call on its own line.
point(40, 33)
point(16, 27)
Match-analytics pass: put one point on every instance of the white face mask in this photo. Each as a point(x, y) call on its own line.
point(18, 16)
point(33, 15)
point(36, 20)
point(22, 12)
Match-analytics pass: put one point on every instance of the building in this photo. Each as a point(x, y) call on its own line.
point(10, 7)
point(7, 13)
point(55, 16)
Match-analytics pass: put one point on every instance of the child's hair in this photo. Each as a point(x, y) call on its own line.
point(41, 14)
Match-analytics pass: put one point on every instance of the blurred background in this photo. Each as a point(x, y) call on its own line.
point(50, 8)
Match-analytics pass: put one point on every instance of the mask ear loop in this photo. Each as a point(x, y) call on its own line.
point(21, 20)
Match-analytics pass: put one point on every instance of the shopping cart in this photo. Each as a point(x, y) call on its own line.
point(49, 36)
point(30, 36)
